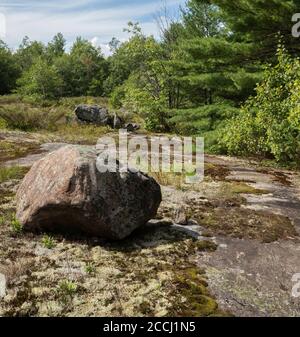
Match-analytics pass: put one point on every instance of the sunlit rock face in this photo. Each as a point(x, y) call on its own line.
point(64, 192)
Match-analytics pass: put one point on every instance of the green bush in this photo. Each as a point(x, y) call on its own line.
point(269, 123)
point(152, 109)
point(117, 97)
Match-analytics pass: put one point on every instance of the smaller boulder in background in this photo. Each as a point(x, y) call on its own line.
point(93, 114)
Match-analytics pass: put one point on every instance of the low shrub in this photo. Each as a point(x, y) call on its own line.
point(269, 124)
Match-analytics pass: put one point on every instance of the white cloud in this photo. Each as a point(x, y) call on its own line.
point(105, 49)
point(41, 20)
point(2, 26)
point(95, 41)
point(104, 46)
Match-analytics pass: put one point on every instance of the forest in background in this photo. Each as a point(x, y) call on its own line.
point(226, 70)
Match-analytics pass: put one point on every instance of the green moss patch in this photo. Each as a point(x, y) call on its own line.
point(216, 172)
point(152, 273)
point(236, 187)
point(245, 223)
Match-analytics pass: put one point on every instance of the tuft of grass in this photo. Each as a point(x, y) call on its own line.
point(48, 242)
point(16, 226)
point(3, 124)
point(10, 99)
point(90, 269)
point(14, 172)
point(67, 289)
point(65, 292)
point(13, 150)
point(169, 179)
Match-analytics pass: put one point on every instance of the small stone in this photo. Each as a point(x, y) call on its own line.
point(131, 127)
point(181, 217)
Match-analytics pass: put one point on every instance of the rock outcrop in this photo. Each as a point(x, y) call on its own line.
point(64, 192)
point(93, 114)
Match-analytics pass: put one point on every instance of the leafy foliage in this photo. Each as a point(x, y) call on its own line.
point(9, 70)
point(269, 123)
point(48, 72)
point(41, 80)
point(192, 81)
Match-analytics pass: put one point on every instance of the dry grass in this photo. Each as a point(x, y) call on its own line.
point(216, 172)
point(18, 148)
point(169, 179)
point(27, 118)
point(72, 102)
point(81, 134)
point(51, 118)
point(14, 270)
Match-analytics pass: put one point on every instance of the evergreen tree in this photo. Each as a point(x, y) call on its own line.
point(201, 19)
point(224, 49)
point(84, 70)
point(9, 70)
point(56, 48)
point(258, 22)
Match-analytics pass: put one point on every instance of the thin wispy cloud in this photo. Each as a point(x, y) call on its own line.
point(95, 20)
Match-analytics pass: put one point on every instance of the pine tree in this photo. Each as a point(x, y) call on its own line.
point(226, 45)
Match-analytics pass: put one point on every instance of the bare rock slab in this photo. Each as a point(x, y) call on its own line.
point(64, 192)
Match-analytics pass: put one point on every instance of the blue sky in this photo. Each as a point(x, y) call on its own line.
point(97, 21)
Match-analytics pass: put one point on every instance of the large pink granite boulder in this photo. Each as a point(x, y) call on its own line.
point(64, 192)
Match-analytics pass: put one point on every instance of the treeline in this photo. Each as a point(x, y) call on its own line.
point(227, 70)
point(48, 72)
